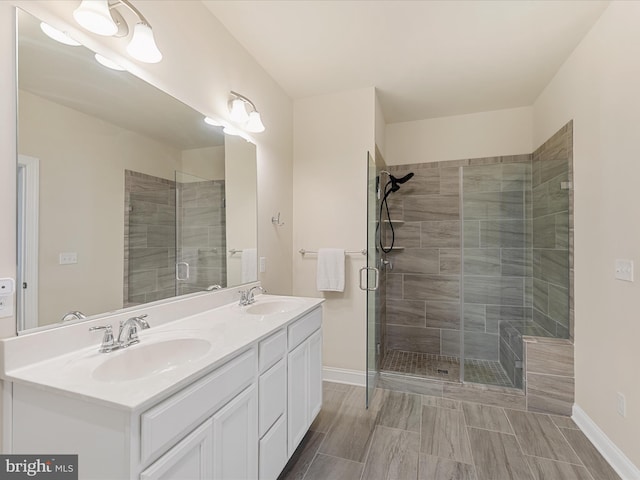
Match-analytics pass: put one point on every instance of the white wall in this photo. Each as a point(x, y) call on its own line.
point(187, 33)
point(332, 135)
point(206, 162)
point(485, 134)
point(598, 86)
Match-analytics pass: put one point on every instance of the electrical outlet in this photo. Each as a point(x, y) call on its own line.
point(263, 264)
point(621, 405)
point(6, 306)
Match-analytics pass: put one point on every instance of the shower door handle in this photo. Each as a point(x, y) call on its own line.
point(366, 285)
point(186, 271)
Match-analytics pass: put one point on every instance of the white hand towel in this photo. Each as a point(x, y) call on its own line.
point(249, 265)
point(330, 275)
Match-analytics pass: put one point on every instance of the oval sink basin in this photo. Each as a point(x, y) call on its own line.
point(272, 307)
point(143, 360)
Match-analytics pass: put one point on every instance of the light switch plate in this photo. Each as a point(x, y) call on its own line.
point(624, 270)
point(7, 286)
point(68, 258)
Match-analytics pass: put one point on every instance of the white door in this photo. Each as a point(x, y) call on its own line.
point(235, 438)
point(28, 207)
point(188, 460)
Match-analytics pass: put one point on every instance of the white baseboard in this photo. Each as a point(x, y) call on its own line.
point(342, 375)
point(616, 458)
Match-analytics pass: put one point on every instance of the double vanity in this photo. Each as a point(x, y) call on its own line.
point(213, 389)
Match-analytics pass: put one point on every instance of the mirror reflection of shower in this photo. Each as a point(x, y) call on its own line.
point(392, 186)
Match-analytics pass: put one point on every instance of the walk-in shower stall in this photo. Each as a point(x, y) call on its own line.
point(474, 256)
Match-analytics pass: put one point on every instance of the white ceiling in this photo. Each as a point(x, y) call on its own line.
point(426, 58)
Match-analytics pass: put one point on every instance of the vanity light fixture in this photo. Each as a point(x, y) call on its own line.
point(250, 120)
point(58, 35)
point(103, 18)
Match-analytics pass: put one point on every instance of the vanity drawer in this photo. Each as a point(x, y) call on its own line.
point(273, 396)
point(163, 425)
point(272, 349)
point(304, 327)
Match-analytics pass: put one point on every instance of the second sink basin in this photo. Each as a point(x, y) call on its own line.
point(270, 307)
point(144, 360)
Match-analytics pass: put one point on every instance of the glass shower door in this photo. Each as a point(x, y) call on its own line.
point(200, 234)
point(496, 267)
point(372, 280)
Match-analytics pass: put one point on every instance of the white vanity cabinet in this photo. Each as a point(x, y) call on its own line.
point(241, 420)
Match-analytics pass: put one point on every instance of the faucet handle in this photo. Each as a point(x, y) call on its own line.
point(108, 342)
point(142, 322)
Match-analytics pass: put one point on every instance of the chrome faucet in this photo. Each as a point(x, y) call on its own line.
point(128, 334)
point(250, 294)
point(247, 296)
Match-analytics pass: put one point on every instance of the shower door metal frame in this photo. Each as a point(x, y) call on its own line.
point(372, 284)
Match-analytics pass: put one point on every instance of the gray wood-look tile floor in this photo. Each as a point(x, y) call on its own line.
point(405, 436)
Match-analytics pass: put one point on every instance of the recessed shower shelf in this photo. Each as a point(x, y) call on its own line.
point(395, 222)
point(393, 248)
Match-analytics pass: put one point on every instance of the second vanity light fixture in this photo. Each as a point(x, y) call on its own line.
point(248, 120)
point(103, 18)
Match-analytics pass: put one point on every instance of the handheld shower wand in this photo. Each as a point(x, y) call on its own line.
point(393, 185)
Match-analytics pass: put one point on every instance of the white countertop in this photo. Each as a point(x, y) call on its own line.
point(229, 329)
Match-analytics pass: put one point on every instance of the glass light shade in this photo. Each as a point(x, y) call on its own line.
point(238, 111)
point(143, 46)
point(105, 62)
point(211, 121)
point(58, 35)
point(229, 130)
point(94, 15)
point(254, 124)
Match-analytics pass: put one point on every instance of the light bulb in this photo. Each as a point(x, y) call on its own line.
point(143, 46)
point(238, 111)
point(254, 124)
point(94, 15)
point(58, 35)
point(105, 62)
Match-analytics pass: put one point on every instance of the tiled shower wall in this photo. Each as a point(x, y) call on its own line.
point(423, 285)
point(151, 219)
point(551, 198)
point(497, 251)
point(202, 234)
point(149, 243)
point(423, 294)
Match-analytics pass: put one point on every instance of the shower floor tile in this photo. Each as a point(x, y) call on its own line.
point(445, 368)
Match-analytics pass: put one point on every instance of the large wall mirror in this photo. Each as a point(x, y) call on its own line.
point(125, 195)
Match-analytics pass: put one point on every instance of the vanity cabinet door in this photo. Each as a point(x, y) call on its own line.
point(305, 387)
point(235, 438)
point(188, 460)
point(315, 375)
point(298, 395)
